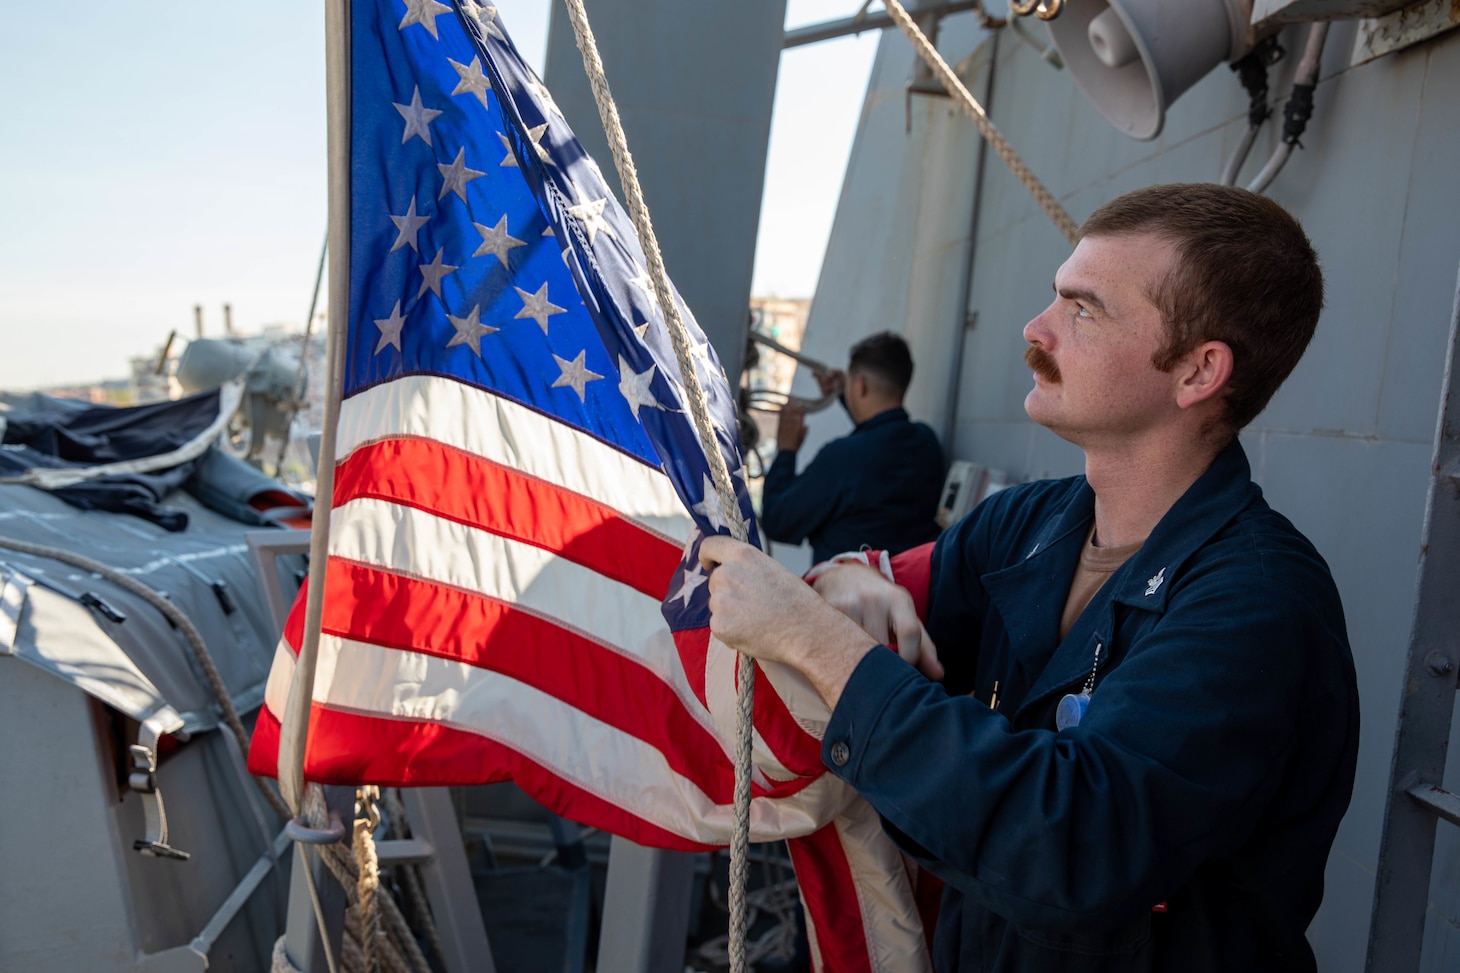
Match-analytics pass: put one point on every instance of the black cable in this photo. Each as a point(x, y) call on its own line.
point(1296, 113)
point(1252, 72)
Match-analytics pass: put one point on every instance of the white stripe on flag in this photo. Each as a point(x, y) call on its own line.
point(884, 893)
point(512, 435)
point(412, 542)
point(615, 766)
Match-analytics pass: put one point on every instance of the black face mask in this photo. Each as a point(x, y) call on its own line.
point(842, 398)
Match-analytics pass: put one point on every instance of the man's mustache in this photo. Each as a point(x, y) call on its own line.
point(1043, 365)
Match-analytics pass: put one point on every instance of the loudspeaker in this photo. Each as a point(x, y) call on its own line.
point(1133, 58)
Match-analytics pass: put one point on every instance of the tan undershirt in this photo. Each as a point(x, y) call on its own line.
point(1096, 566)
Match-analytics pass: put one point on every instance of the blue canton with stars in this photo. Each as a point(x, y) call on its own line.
point(487, 248)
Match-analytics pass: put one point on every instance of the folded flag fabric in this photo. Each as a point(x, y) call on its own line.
point(512, 588)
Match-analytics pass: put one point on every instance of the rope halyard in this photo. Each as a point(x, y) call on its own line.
point(368, 881)
point(719, 473)
point(986, 128)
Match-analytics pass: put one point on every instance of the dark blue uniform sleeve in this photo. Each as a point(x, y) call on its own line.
point(1181, 750)
point(792, 506)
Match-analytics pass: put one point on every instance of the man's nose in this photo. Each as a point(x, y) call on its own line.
point(1037, 331)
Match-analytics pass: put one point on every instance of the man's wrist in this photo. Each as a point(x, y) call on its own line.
point(830, 671)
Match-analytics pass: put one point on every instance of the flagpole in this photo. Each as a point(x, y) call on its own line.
point(295, 722)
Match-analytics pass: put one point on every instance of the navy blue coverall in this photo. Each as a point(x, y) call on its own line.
point(1209, 773)
point(879, 486)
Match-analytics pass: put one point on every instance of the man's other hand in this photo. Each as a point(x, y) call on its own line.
point(833, 381)
point(791, 431)
point(883, 609)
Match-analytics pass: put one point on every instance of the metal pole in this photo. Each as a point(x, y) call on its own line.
point(830, 29)
point(1426, 708)
point(297, 399)
point(301, 691)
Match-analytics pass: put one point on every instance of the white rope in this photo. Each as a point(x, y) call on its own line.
point(986, 128)
point(720, 475)
point(367, 883)
point(281, 962)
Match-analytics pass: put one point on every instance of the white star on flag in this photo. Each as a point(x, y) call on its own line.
point(712, 510)
point(640, 330)
point(540, 92)
point(692, 580)
point(635, 386)
point(643, 283)
point(576, 375)
point(418, 117)
point(495, 240)
point(469, 330)
point(537, 306)
point(473, 81)
point(423, 12)
point(700, 354)
point(486, 15)
point(408, 226)
point(511, 157)
point(390, 329)
point(534, 135)
point(590, 213)
point(455, 176)
point(432, 273)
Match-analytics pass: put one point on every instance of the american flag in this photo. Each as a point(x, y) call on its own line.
point(512, 588)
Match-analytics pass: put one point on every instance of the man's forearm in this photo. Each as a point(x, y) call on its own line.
point(829, 669)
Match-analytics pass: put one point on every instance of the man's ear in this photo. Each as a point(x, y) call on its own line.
point(1203, 373)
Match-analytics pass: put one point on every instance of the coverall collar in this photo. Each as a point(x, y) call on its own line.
point(895, 414)
point(1143, 582)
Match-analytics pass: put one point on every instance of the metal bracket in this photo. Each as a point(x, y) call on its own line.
point(301, 832)
point(1439, 801)
point(143, 781)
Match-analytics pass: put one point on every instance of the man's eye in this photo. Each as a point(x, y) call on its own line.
point(1081, 311)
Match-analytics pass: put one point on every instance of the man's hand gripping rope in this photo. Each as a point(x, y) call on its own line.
point(763, 610)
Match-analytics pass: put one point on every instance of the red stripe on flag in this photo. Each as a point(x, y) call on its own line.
point(468, 489)
point(294, 624)
point(797, 750)
point(829, 894)
point(371, 605)
point(375, 606)
point(913, 569)
point(404, 753)
point(693, 645)
point(263, 746)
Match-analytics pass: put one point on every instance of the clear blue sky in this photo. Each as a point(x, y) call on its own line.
point(160, 157)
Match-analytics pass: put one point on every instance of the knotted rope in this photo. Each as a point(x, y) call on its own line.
point(720, 475)
point(367, 819)
point(986, 128)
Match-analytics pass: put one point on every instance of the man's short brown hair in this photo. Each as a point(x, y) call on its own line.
point(1245, 274)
